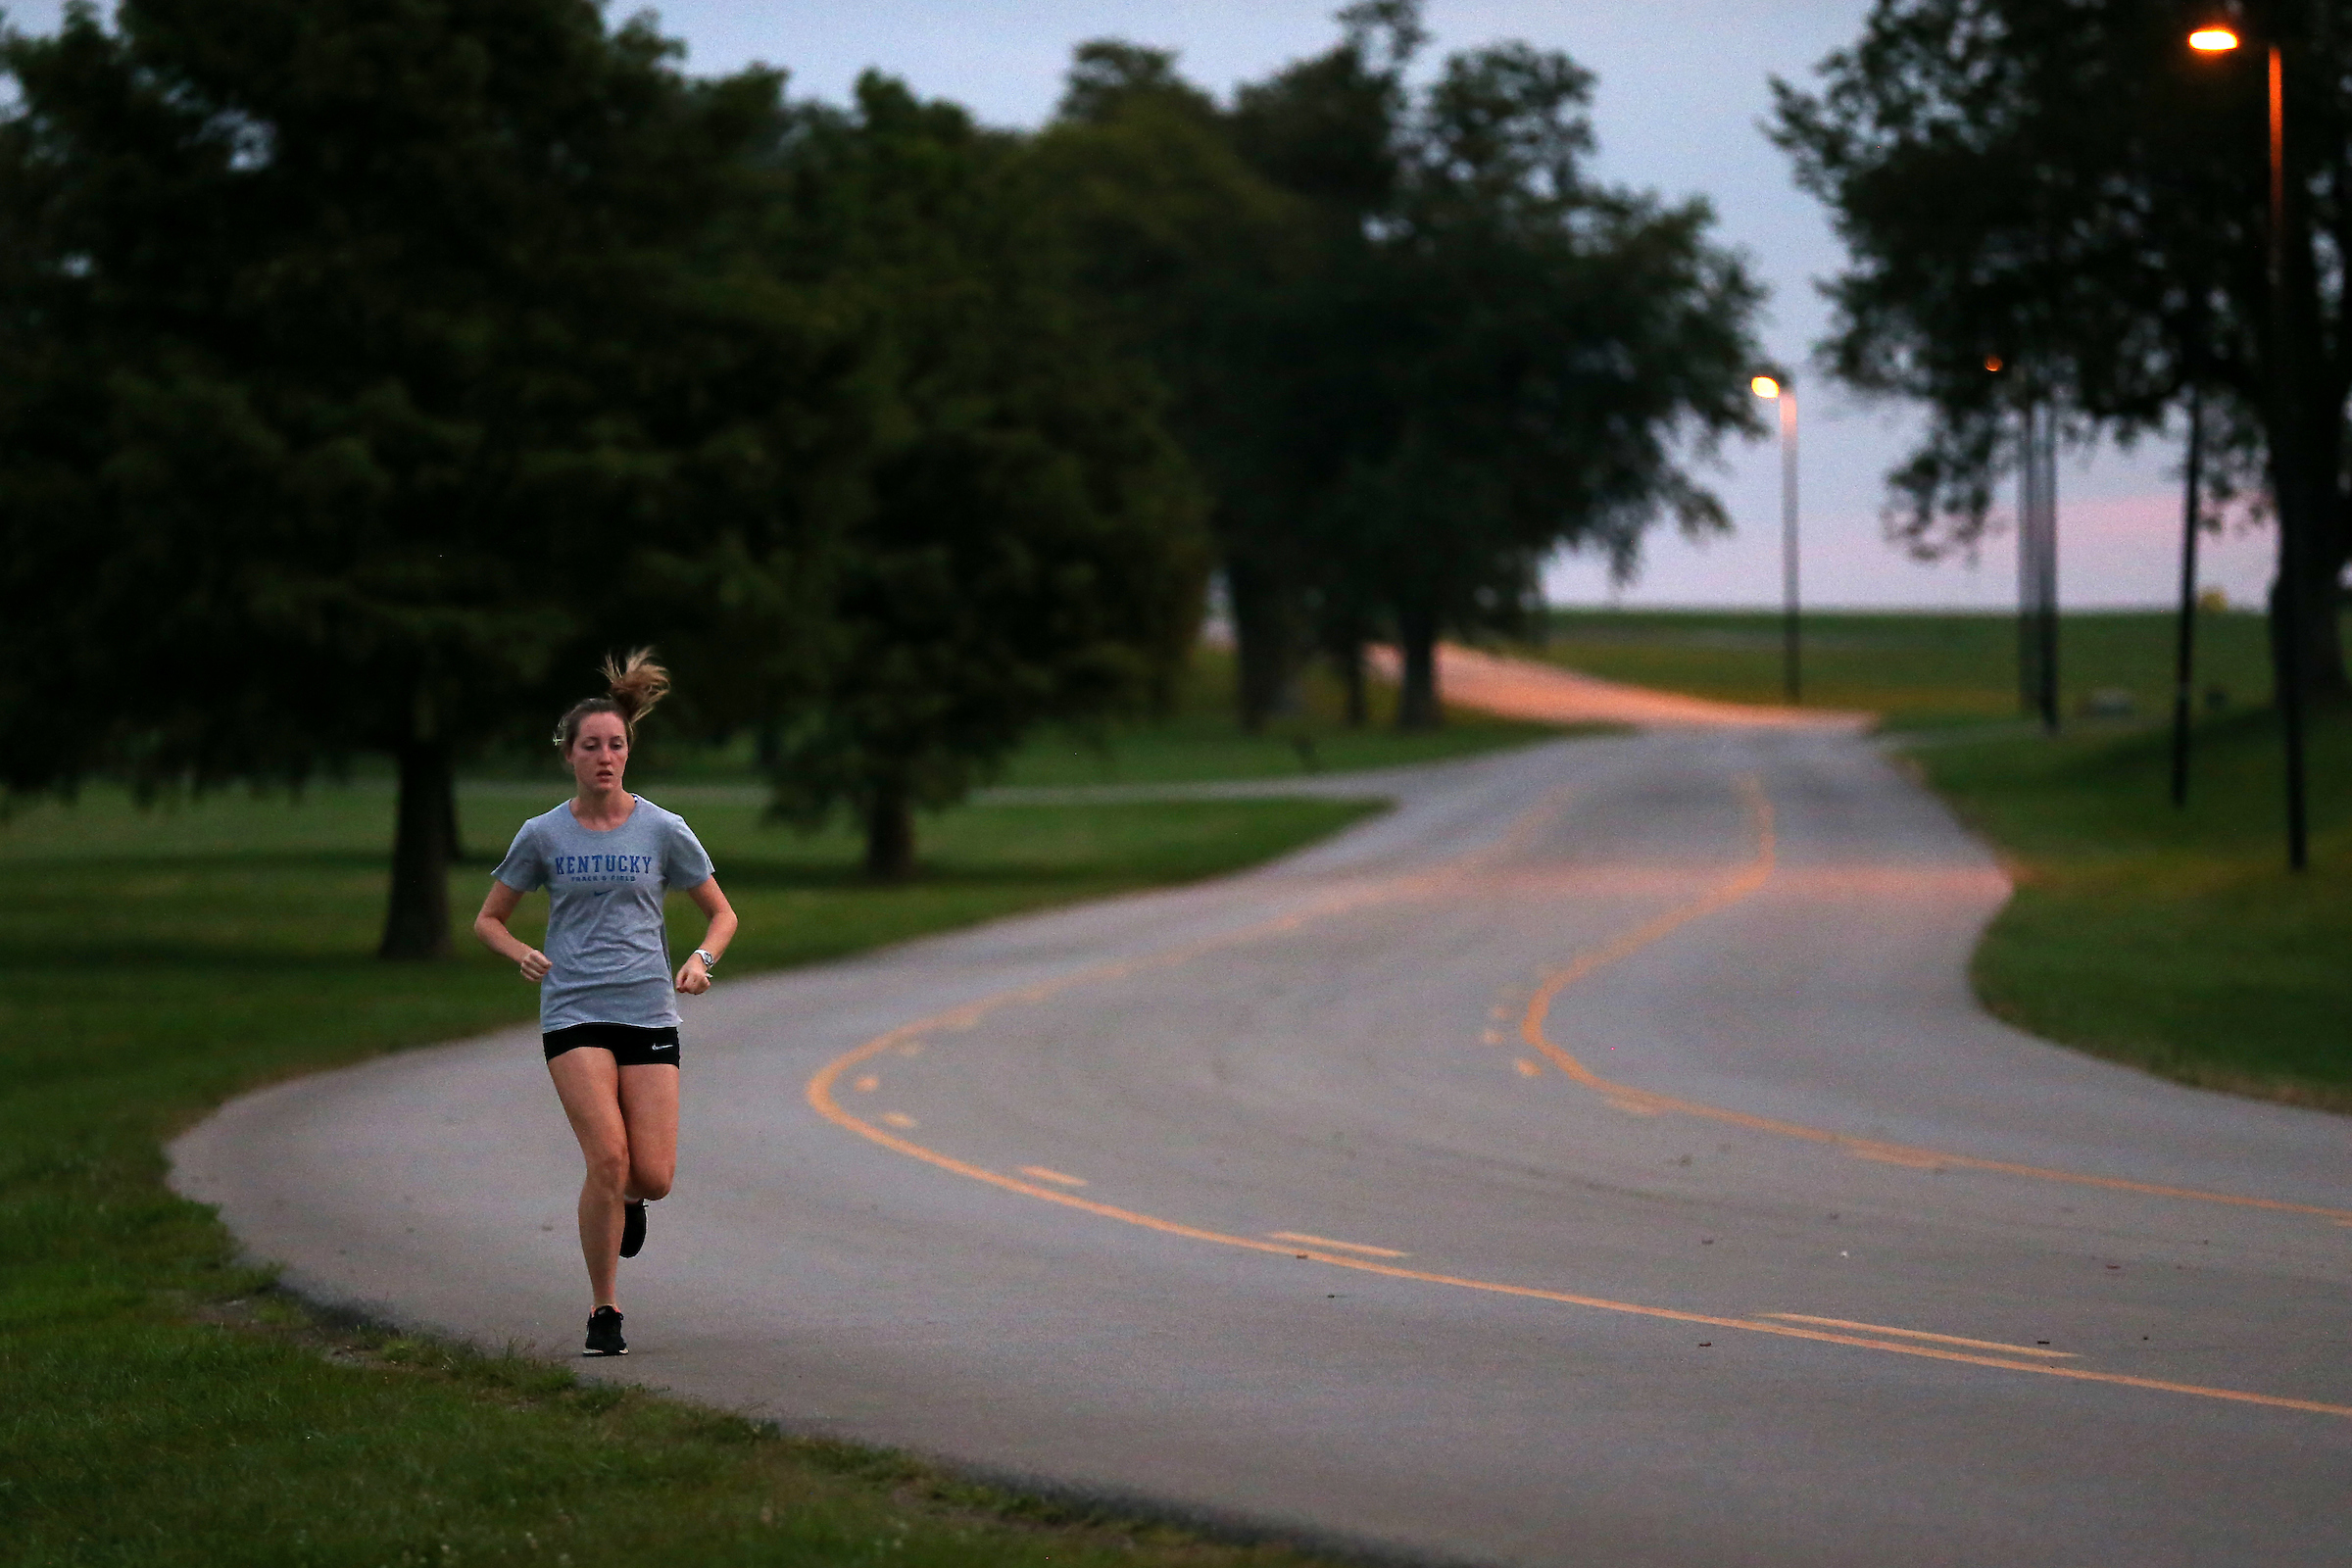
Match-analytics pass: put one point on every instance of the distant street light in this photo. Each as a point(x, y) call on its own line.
point(2285, 452)
point(1764, 386)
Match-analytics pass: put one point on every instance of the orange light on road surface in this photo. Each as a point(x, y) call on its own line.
point(2212, 40)
point(1764, 386)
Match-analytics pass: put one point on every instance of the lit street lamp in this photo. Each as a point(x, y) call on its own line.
point(2219, 38)
point(1764, 386)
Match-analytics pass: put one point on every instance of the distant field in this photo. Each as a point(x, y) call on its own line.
point(1199, 740)
point(1917, 669)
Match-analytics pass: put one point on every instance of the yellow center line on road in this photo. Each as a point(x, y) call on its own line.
point(1920, 1334)
point(1746, 881)
point(1304, 1239)
point(1045, 1173)
point(905, 1038)
point(820, 1099)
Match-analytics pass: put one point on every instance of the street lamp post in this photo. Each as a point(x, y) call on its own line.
point(1764, 386)
point(2184, 653)
point(2285, 450)
point(2038, 557)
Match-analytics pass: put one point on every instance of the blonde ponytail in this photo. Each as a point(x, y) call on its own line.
point(633, 686)
point(636, 684)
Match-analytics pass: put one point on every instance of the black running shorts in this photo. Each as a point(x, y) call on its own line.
point(631, 1045)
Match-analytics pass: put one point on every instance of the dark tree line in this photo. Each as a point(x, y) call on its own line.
point(368, 368)
point(2068, 190)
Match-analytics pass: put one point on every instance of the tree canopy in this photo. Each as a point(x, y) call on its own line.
point(2069, 192)
point(375, 364)
point(369, 366)
point(1416, 347)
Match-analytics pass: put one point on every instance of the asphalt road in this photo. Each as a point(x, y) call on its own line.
point(1597, 1160)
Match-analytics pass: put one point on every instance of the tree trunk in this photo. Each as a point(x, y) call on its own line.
point(2320, 636)
point(417, 924)
point(1265, 636)
point(890, 836)
point(2324, 677)
point(453, 841)
point(2311, 548)
point(1418, 702)
point(1352, 679)
point(2312, 512)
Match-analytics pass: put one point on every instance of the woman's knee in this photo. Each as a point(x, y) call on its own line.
point(607, 1168)
point(648, 1183)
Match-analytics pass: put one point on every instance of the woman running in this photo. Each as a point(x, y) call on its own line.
point(607, 1014)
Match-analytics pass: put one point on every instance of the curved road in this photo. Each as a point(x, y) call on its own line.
point(1598, 1158)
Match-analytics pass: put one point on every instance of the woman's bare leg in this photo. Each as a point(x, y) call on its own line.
point(649, 1109)
point(588, 1082)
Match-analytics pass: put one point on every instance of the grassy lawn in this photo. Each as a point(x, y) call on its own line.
point(1917, 669)
point(163, 1405)
point(2176, 941)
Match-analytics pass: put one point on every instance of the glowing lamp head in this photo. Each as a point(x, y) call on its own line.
point(1764, 386)
point(2215, 39)
point(1992, 363)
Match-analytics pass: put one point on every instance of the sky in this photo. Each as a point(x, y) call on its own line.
point(1682, 86)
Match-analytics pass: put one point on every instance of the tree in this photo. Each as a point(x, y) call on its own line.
point(370, 366)
point(2068, 191)
point(1196, 263)
point(1505, 358)
point(1029, 547)
point(1324, 131)
point(1413, 347)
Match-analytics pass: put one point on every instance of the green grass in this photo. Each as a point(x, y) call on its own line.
point(2176, 941)
point(1917, 669)
point(160, 1404)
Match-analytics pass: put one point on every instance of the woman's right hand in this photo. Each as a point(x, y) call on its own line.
point(534, 965)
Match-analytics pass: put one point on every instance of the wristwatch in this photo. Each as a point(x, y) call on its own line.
point(708, 960)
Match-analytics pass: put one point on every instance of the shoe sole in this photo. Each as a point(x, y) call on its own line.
point(600, 1354)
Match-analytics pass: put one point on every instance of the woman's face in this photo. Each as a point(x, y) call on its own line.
point(600, 752)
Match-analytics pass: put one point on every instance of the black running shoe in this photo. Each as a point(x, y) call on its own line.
point(632, 1228)
point(604, 1333)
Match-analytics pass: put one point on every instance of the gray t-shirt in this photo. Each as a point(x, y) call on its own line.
point(607, 949)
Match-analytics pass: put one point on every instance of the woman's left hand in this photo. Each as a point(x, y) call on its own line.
point(693, 978)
